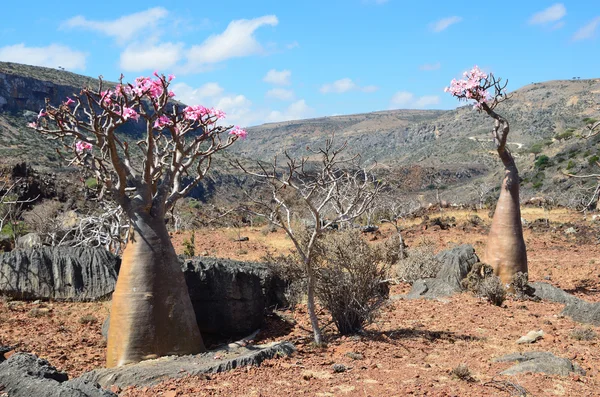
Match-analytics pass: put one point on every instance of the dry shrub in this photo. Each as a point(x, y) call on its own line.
point(519, 287)
point(583, 334)
point(462, 372)
point(350, 283)
point(420, 262)
point(479, 271)
point(88, 319)
point(492, 289)
point(44, 218)
point(290, 269)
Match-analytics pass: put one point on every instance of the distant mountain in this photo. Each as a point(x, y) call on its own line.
point(416, 145)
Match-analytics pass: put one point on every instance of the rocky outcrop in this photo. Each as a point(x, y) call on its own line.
point(26, 375)
point(456, 264)
point(151, 372)
point(59, 273)
point(230, 297)
point(578, 309)
point(544, 362)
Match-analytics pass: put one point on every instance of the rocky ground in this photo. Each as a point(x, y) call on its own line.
point(416, 347)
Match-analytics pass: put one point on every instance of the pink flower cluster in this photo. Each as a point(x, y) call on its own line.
point(240, 133)
point(199, 112)
point(161, 122)
point(470, 87)
point(80, 146)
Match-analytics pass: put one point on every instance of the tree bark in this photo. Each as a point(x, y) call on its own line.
point(151, 314)
point(506, 251)
point(314, 321)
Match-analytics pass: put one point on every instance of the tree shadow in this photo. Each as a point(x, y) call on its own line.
point(399, 334)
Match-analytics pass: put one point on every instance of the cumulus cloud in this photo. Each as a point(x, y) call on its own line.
point(551, 14)
point(430, 66)
point(236, 41)
point(587, 31)
point(408, 100)
point(296, 111)
point(444, 23)
point(278, 77)
point(122, 29)
point(281, 94)
point(136, 57)
point(53, 56)
point(345, 85)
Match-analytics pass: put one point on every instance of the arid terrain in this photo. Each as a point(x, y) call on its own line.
point(411, 349)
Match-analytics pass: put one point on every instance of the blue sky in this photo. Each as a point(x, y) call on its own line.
point(277, 60)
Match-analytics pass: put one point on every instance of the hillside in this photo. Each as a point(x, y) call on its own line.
point(412, 147)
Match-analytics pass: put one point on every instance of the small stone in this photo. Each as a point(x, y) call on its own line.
point(355, 356)
point(339, 368)
point(531, 337)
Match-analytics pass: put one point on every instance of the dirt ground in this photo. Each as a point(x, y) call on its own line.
point(410, 350)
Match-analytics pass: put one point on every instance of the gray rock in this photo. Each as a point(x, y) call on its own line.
point(230, 297)
point(583, 312)
point(339, 368)
point(25, 375)
point(431, 288)
point(59, 273)
point(548, 292)
point(151, 372)
point(578, 309)
point(456, 264)
point(30, 240)
point(544, 362)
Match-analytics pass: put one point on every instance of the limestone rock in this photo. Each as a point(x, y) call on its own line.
point(544, 362)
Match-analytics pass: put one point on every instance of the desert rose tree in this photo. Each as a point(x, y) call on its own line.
point(505, 250)
point(151, 313)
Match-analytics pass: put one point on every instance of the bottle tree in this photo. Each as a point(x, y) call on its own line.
point(151, 312)
point(505, 250)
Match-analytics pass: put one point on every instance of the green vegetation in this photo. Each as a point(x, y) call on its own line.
point(565, 135)
point(91, 183)
point(536, 148)
point(593, 160)
point(542, 162)
point(589, 120)
point(570, 164)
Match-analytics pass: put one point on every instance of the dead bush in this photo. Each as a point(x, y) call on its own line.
point(520, 289)
point(478, 273)
point(583, 334)
point(462, 372)
point(492, 289)
point(350, 280)
point(88, 319)
point(290, 269)
point(420, 262)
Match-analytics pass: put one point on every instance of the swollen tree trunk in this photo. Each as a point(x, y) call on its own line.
point(151, 314)
point(312, 314)
point(506, 251)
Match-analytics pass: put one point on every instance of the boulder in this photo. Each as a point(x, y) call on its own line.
point(151, 372)
point(544, 362)
point(583, 312)
point(548, 292)
point(456, 264)
point(59, 273)
point(30, 240)
point(26, 375)
point(230, 297)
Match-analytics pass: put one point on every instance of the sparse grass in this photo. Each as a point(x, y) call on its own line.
point(87, 319)
point(583, 334)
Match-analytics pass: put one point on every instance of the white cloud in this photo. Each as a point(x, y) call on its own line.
point(281, 94)
point(278, 77)
point(551, 14)
point(345, 85)
point(195, 96)
point(408, 100)
point(53, 56)
point(138, 57)
point(122, 29)
point(296, 111)
point(588, 30)
point(430, 66)
point(236, 41)
point(444, 23)
point(292, 45)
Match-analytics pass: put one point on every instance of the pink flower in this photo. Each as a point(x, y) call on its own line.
point(69, 101)
point(32, 125)
point(238, 132)
point(171, 94)
point(161, 122)
point(42, 114)
point(171, 77)
point(80, 146)
point(130, 113)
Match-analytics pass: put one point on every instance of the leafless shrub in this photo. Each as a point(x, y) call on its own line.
point(45, 220)
point(351, 280)
point(492, 289)
point(462, 372)
point(479, 272)
point(420, 262)
point(88, 319)
point(269, 228)
point(583, 334)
